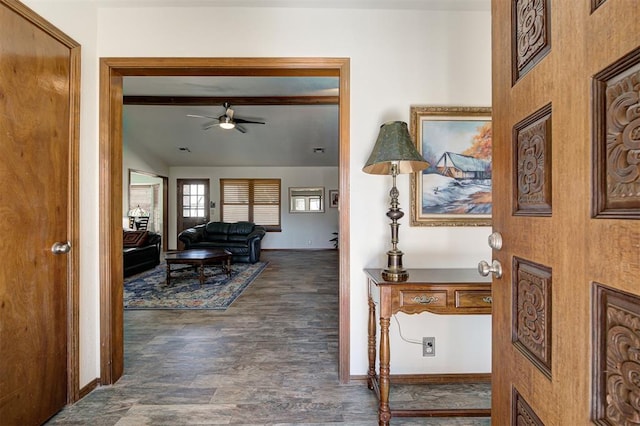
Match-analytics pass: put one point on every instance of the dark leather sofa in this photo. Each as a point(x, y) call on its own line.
point(242, 239)
point(141, 251)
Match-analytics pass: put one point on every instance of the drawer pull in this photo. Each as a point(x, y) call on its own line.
point(487, 299)
point(424, 300)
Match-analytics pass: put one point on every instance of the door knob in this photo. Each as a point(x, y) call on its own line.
point(495, 241)
point(485, 269)
point(61, 248)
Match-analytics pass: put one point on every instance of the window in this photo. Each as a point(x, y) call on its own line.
point(306, 200)
point(253, 200)
point(193, 198)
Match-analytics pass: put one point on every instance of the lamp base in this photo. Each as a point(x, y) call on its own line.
point(395, 276)
point(394, 271)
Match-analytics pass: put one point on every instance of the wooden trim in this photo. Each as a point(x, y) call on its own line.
point(86, 389)
point(111, 72)
point(73, 220)
point(73, 334)
point(111, 321)
point(441, 378)
point(344, 332)
point(432, 378)
point(452, 412)
point(233, 100)
point(231, 67)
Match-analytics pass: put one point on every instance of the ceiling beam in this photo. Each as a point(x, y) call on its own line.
point(233, 100)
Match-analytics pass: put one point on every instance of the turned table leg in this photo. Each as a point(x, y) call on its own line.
point(201, 274)
point(384, 412)
point(372, 344)
point(227, 268)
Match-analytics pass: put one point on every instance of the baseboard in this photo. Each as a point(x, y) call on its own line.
point(433, 378)
point(85, 390)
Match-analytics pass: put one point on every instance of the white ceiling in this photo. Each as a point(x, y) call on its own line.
point(289, 138)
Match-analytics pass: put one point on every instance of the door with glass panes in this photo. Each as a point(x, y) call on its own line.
point(193, 204)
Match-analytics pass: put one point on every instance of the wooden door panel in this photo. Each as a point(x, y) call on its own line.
point(38, 101)
point(543, 124)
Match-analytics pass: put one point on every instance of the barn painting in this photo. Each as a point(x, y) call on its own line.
point(458, 181)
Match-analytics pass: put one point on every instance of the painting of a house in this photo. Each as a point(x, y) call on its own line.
point(456, 187)
point(460, 166)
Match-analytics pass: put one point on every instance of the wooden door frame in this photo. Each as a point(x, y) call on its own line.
point(112, 71)
point(73, 198)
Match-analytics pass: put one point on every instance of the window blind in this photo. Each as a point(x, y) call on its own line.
point(253, 200)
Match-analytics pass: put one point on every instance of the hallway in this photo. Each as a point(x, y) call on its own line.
point(270, 359)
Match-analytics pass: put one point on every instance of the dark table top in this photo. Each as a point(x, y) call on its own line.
point(197, 254)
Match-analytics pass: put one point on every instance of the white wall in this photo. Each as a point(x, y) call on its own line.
point(398, 58)
point(297, 229)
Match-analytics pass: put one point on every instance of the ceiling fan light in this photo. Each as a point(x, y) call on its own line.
point(227, 123)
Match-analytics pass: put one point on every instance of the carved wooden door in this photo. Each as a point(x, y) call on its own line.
point(39, 83)
point(566, 123)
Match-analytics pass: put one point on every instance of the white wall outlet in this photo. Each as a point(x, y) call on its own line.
point(428, 346)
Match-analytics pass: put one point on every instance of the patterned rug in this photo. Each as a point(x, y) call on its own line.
point(149, 290)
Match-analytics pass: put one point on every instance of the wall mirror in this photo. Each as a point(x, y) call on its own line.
point(306, 200)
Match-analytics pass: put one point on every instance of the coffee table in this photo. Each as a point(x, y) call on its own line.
point(199, 258)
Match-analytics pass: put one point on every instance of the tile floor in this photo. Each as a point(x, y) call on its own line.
point(270, 359)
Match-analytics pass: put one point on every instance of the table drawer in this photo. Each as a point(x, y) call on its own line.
point(423, 298)
point(473, 298)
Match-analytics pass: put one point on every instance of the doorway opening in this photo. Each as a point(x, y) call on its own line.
point(149, 192)
point(112, 71)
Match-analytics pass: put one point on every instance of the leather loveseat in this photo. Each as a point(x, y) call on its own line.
point(141, 251)
point(242, 239)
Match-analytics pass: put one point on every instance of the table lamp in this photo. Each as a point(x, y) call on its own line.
point(394, 153)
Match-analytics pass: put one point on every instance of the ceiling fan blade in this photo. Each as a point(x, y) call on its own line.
point(240, 129)
point(208, 126)
point(202, 116)
point(241, 120)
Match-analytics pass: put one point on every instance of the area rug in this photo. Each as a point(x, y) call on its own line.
point(149, 290)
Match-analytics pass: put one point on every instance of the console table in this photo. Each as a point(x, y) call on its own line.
point(439, 291)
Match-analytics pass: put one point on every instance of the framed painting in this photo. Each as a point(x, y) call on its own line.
point(333, 198)
point(455, 190)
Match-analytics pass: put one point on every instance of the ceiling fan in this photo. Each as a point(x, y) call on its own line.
point(226, 120)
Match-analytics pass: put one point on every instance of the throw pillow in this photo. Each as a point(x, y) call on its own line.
point(134, 238)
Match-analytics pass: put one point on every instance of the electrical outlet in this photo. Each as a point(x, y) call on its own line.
point(428, 346)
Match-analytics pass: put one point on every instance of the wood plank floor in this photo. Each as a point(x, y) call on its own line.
point(270, 359)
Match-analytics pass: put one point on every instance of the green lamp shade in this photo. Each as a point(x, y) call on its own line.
point(394, 146)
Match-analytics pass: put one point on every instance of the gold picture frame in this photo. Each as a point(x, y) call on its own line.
point(455, 190)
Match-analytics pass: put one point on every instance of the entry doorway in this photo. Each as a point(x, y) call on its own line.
point(112, 71)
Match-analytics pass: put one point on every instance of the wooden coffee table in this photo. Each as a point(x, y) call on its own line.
point(199, 258)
